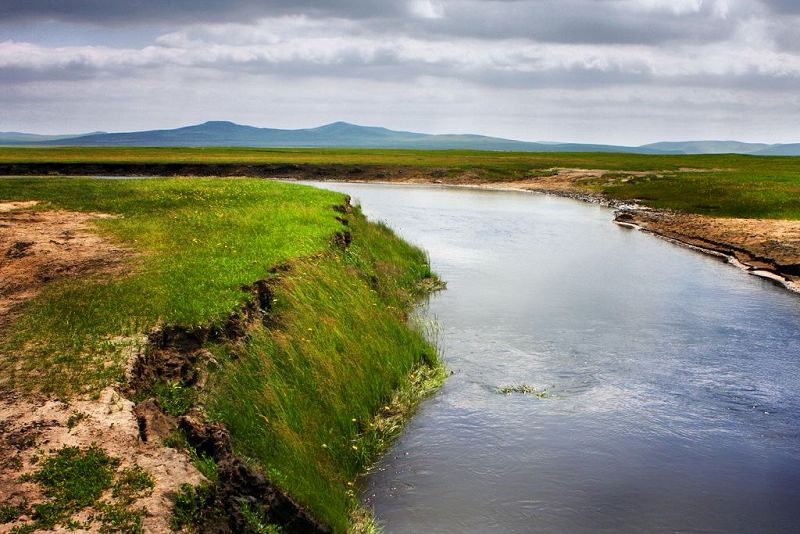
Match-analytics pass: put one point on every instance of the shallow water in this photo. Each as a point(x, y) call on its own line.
point(672, 379)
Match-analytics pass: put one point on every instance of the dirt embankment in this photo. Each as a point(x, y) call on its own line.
point(763, 246)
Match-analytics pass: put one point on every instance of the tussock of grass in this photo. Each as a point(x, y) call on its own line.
point(74, 419)
point(190, 509)
point(132, 483)
point(75, 479)
point(10, 512)
point(173, 397)
point(522, 389)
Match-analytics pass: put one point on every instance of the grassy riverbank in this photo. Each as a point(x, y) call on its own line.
point(718, 185)
point(302, 389)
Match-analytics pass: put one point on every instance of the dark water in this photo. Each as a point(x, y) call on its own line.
point(673, 379)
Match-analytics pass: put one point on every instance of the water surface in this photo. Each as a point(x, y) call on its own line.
point(672, 379)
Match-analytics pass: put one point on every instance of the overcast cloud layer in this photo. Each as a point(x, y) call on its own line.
point(610, 71)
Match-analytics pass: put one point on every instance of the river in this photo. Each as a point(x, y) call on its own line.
point(671, 380)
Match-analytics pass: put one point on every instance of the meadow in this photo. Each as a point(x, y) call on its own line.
point(725, 185)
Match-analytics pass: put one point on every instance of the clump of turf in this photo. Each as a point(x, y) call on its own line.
point(522, 389)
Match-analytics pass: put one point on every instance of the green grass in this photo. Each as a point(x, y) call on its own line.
point(299, 397)
point(299, 394)
point(522, 389)
point(763, 191)
point(729, 186)
point(173, 397)
point(74, 479)
point(132, 483)
point(195, 244)
point(10, 512)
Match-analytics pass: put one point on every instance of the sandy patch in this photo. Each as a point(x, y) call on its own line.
point(11, 206)
point(27, 427)
point(563, 180)
point(761, 244)
point(37, 247)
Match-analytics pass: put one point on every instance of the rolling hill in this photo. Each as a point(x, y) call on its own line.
point(346, 135)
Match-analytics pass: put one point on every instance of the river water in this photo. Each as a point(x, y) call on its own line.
point(672, 380)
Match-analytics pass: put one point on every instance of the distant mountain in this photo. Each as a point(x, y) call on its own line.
point(780, 150)
point(345, 135)
point(708, 147)
point(24, 138)
point(337, 134)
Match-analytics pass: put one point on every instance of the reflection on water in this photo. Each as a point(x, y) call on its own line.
point(673, 380)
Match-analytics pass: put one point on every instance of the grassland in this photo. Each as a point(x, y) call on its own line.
point(720, 185)
point(306, 396)
point(196, 244)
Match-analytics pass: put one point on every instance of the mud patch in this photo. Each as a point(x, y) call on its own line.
point(37, 247)
point(30, 427)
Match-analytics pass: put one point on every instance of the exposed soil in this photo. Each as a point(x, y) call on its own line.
point(762, 245)
point(29, 426)
point(37, 247)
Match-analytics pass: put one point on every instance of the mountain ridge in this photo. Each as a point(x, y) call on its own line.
point(341, 134)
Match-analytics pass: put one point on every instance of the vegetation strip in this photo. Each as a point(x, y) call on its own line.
point(270, 379)
point(729, 190)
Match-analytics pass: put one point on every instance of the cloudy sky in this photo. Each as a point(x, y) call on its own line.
point(611, 71)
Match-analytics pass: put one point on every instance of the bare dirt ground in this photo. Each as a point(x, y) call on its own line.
point(760, 244)
point(28, 427)
point(37, 247)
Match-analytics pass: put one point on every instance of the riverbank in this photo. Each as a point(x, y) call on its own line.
point(198, 334)
point(744, 207)
point(769, 248)
point(648, 356)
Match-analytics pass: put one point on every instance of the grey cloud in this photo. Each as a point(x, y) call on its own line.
point(463, 59)
point(565, 21)
point(784, 6)
point(576, 21)
point(113, 12)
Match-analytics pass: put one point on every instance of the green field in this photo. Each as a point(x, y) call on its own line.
point(722, 185)
point(299, 394)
